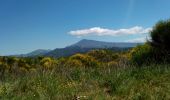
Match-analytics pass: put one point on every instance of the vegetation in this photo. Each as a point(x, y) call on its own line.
point(142, 54)
point(156, 50)
point(141, 73)
point(72, 82)
point(160, 35)
point(84, 76)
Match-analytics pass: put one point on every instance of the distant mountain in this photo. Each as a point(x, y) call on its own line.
point(99, 44)
point(39, 52)
point(82, 46)
point(63, 52)
point(87, 45)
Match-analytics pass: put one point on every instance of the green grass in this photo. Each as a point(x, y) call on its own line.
point(63, 83)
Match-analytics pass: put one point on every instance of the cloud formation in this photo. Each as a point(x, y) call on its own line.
point(98, 31)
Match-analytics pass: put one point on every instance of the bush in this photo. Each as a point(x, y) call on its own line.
point(103, 55)
point(160, 36)
point(142, 54)
point(85, 60)
point(160, 40)
point(113, 64)
point(157, 50)
point(47, 62)
point(73, 63)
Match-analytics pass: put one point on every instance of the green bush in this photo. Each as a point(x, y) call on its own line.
point(157, 50)
point(160, 35)
point(160, 40)
point(142, 54)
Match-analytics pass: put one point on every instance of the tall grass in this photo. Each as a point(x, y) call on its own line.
point(102, 83)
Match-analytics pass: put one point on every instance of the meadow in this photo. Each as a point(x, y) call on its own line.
point(105, 83)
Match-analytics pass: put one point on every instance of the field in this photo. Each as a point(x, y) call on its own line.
point(92, 83)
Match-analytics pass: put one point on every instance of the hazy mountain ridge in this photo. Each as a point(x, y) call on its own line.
point(99, 44)
point(38, 52)
point(82, 46)
point(87, 45)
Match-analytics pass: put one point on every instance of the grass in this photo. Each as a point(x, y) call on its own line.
point(63, 83)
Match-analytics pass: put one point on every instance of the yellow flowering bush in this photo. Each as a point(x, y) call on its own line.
point(86, 60)
point(47, 63)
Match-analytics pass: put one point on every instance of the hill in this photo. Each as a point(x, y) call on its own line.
point(100, 44)
point(87, 45)
point(82, 46)
point(39, 52)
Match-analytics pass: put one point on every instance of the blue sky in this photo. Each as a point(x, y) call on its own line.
point(27, 25)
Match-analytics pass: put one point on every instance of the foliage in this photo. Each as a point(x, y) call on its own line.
point(22, 65)
point(113, 63)
point(148, 82)
point(160, 35)
point(86, 60)
point(47, 63)
point(103, 55)
point(142, 54)
point(156, 50)
point(74, 63)
point(98, 74)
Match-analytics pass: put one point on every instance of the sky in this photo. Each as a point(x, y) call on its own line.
point(27, 25)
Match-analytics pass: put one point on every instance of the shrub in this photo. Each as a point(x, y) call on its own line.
point(142, 54)
point(160, 36)
point(160, 40)
point(157, 50)
point(113, 64)
point(23, 65)
point(86, 60)
point(73, 63)
point(103, 55)
point(47, 63)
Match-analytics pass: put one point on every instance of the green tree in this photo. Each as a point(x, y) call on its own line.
point(160, 36)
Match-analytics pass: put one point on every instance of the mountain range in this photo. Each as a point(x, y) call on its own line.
point(81, 47)
point(38, 52)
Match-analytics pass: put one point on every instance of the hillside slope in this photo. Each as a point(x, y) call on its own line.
point(87, 45)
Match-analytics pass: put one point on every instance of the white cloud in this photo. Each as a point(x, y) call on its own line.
point(98, 31)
